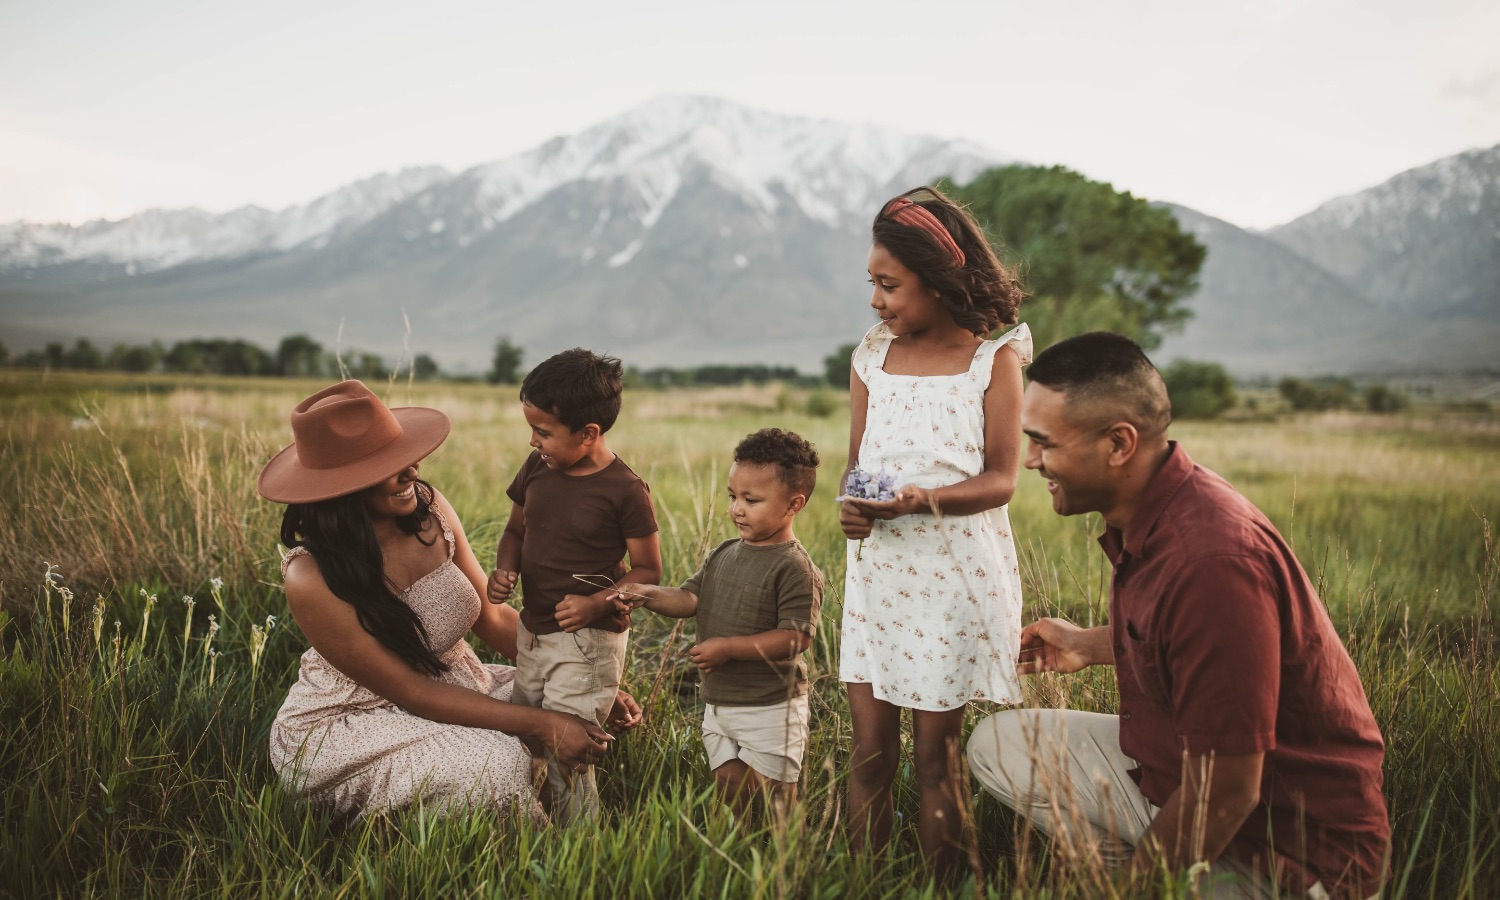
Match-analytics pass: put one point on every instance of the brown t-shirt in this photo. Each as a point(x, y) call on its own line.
point(1222, 645)
point(746, 589)
point(576, 525)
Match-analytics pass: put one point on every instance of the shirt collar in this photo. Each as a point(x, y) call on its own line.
point(1174, 471)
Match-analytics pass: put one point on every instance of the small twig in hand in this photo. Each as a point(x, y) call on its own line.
point(593, 581)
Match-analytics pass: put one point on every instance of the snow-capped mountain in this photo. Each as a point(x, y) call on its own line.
point(162, 238)
point(649, 228)
point(828, 170)
point(1426, 242)
point(693, 230)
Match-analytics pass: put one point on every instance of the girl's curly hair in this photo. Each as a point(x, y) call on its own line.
point(982, 294)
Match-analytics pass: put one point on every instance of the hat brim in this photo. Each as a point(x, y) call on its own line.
point(286, 480)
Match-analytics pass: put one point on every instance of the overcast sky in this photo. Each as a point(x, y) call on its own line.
point(1252, 111)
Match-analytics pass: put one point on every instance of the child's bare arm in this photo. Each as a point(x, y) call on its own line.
point(578, 610)
point(645, 560)
point(673, 602)
point(855, 524)
point(502, 583)
point(776, 644)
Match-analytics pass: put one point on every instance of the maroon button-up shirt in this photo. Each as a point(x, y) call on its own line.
point(1222, 646)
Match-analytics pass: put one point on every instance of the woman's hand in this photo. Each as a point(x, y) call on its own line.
point(571, 741)
point(624, 715)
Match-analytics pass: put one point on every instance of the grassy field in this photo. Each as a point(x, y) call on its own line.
point(133, 756)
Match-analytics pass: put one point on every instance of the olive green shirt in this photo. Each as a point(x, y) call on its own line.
point(744, 589)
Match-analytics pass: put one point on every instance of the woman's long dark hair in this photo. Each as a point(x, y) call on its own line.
point(341, 538)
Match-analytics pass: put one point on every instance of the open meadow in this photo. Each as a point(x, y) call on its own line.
point(133, 752)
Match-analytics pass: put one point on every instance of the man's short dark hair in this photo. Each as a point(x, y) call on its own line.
point(1105, 375)
point(795, 459)
point(577, 387)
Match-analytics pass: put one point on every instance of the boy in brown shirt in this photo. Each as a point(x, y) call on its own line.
point(577, 510)
point(756, 599)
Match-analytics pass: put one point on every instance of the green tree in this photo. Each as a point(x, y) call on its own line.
point(84, 355)
point(4, 355)
point(136, 357)
point(1092, 258)
point(1302, 395)
point(1381, 399)
point(1199, 390)
point(424, 367)
point(506, 367)
point(186, 357)
point(299, 355)
point(836, 367)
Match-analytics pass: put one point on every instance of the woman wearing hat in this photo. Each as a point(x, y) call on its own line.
point(392, 706)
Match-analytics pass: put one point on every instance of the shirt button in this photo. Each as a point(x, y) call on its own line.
point(1124, 715)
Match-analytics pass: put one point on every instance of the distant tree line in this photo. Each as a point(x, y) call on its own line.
point(296, 356)
point(718, 375)
point(1339, 393)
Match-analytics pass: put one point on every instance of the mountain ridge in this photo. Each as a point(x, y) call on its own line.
point(691, 230)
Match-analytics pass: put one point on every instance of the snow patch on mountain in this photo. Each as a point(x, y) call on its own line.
point(161, 238)
point(830, 172)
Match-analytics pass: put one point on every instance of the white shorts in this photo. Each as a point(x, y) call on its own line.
point(769, 739)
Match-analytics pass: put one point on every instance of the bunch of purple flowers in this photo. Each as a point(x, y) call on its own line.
point(862, 485)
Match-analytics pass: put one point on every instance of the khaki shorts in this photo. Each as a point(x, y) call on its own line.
point(769, 739)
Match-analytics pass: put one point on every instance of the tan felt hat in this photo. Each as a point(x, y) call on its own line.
point(345, 440)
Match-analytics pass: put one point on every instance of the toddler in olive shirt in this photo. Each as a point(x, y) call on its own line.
point(756, 599)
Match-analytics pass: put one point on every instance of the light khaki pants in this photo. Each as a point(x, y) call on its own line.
point(575, 673)
point(1064, 772)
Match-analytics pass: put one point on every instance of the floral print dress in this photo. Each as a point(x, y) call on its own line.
point(342, 746)
point(932, 605)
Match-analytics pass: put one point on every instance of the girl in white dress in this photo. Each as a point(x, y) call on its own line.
point(932, 600)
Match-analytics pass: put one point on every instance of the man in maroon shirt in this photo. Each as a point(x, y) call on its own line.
point(1243, 737)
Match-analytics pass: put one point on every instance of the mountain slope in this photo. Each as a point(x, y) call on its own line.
point(1262, 309)
point(692, 230)
point(1424, 243)
point(688, 230)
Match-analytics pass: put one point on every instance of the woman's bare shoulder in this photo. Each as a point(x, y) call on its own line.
point(304, 581)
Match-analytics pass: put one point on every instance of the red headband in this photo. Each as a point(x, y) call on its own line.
point(903, 210)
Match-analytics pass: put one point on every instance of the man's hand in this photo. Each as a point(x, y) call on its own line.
point(710, 654)
point(578, 610)
point(1057, 645)
point(502, 585)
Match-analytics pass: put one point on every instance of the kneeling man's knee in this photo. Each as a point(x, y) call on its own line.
point(999, 757)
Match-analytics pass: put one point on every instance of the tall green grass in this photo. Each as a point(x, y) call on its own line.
point(133, 760)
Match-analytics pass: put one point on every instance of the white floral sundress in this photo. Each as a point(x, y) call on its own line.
point(932, 607)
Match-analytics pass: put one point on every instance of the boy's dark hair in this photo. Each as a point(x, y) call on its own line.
point(795, 459)
point(578, 387)
point(982, 294)
point(1104, 374)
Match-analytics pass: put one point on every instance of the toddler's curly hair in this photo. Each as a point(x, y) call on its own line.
point(795, 459)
